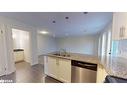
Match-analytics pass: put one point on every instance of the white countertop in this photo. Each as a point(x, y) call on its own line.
point(78, 57)
point(115, 66)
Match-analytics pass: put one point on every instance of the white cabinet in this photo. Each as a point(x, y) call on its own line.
point(101, 74)
point(58, 68)
point(51, 67)
point(119, 26)
point(18, 56)
point(65, 70)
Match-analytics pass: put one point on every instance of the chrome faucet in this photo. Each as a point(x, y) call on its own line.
point(63, 52)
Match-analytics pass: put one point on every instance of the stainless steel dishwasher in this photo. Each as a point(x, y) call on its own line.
point(83, 72)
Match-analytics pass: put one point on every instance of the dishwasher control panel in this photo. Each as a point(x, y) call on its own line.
point(85, 65)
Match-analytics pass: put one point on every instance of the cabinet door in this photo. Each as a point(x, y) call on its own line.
point(65, 70)
point(101, 74)
point(123, 25)
point(19, 56)
point(124, 31)
point(51, 67)
point(119, 26)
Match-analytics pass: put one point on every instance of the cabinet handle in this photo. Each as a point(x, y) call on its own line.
point(120, 33)
point(123, 31)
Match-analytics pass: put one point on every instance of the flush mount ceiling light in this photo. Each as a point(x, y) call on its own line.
point(43, 32)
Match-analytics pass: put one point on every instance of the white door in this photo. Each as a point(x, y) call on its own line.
point(2, 51)
point(65, 70)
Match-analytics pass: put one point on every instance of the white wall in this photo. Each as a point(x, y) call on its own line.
point(9, 42)
point(83, 44)
point(6, 54)
point(46, 44)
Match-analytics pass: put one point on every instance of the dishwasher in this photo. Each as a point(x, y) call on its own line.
point(83, 72)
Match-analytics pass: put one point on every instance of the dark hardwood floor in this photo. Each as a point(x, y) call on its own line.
point(25, 73)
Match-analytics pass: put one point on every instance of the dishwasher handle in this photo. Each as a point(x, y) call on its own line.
point(85, 65)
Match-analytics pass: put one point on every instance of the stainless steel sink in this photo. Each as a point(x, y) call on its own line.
point(62, 52)
point(63, 55)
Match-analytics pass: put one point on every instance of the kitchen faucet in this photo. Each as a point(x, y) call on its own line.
point(63, 52)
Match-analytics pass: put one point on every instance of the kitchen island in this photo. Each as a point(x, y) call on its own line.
point(112, 66)
point(78, 57)
point(59, 67)
point(115, 66)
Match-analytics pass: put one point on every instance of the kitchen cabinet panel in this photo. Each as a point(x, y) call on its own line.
point(18, 56)
point(58, 68)
point(51, 67)
point(65, 70)
point(119, 29)
point(101, 74)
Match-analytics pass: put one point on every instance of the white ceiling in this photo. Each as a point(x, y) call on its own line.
point(77, 24)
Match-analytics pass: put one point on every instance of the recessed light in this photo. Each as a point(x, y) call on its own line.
point(67, 17)
point(85, 12)
point(54, 21)
point(43, 32)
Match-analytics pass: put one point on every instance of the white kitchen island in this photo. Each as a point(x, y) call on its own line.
point(59, 67)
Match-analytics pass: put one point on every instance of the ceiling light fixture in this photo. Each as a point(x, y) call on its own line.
point(85, 12)
point(54, 21)
point(66, 17)
point(43, 32)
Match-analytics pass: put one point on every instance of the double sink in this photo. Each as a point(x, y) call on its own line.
point(62, 54)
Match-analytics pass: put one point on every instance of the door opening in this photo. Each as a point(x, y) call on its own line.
point(21, 45)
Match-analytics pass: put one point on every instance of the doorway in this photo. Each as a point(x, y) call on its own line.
point(21, 46)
